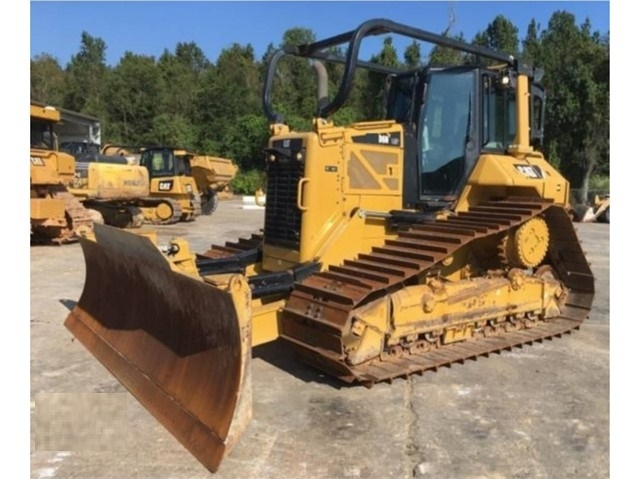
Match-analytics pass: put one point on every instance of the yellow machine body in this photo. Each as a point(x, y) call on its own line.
point(56, 216)
point(171, 181)
point(340, 180)
point(212, 171)
point(107, 181)
point(213, 176)
point(382, 253)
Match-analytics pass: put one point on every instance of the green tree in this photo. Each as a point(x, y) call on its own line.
point(181, 73)
point(413, 55)
point(577, 81)
point(444, 56)
point(375, 91)
point(134, 88)
point(500, 35)
point(294, 93)
point(531, 51)
point(244, 141)
point(47, 80)
point(172, 129)
point(226, 93)
point(86, 76)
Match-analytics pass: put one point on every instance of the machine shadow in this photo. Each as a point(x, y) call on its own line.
point(68, 303)
point(279, 354)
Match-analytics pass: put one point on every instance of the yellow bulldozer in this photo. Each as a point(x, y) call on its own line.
point(56, 215)
point(171, 181)
point(432, 235)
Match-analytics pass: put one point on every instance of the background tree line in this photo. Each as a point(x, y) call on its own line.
point(183, 98)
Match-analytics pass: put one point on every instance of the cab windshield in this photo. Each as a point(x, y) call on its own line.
point(499, 119)
point(158, 162)
point(41, 134)
point(446, 124)
point(183, 165)
point(161, 163)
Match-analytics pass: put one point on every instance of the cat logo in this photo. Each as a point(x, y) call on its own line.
point(37, 161)
point(530, 171)
point(383, 139)
point(165, 185)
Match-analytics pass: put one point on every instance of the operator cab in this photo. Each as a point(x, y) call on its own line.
point(42, 136)
point(165, 162)
point(450, 115)
point(453, 115)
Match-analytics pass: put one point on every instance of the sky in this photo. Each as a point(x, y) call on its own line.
point(150, 27)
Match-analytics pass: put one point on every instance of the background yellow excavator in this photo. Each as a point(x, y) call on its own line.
point(389, 247)
point(157, 185)
point(130, 186)
point(110, 185)
point(212, 174)
point(132, 157)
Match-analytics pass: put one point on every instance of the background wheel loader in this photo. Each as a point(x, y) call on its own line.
point(56, 215)
point(433, 235)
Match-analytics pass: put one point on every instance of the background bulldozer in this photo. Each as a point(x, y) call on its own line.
point(171, 180)
point(429, 236)
point(56, 215)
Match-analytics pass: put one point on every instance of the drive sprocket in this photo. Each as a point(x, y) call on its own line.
point(528, 245)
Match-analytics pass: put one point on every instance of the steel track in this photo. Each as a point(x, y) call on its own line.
point(319, 310)
point(78, 214)
point(175, 217)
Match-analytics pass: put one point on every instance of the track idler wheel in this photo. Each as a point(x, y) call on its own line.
point(528, 245)
point(164, 211)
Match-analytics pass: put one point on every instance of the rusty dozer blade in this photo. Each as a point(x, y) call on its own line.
point(179, 345)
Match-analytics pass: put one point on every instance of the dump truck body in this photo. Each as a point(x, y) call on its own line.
point(212, 176)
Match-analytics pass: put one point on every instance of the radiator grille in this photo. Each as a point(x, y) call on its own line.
point(282, 216)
